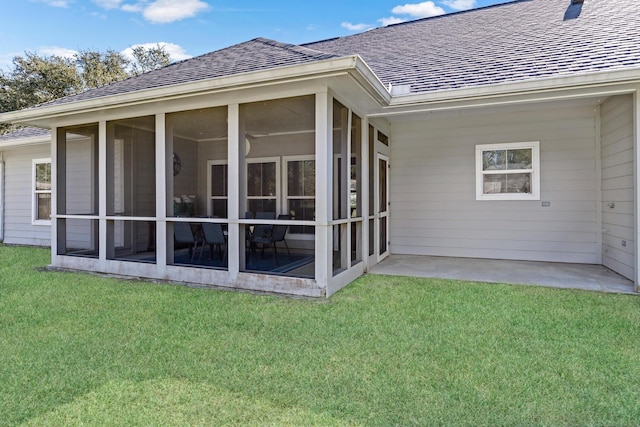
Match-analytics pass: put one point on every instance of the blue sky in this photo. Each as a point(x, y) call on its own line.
point(193, 27)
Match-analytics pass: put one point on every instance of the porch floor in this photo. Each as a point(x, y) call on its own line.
point(556, 275)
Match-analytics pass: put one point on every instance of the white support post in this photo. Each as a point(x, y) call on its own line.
point(103, 199)
point(164, 146)
point(345, 184)
point(54, 194)
point(235, 177)
point(109, 193)
point(324, 189)
point(364, 191)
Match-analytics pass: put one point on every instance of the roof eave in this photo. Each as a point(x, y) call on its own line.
point(22, 142)
point(372, 82)
point(607, 83)
point(353, 65)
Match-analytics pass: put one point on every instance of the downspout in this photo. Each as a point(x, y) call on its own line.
point(1, 197)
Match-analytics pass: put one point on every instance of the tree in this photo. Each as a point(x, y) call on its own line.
point(36, 79)
point(149, 59)
point(97, 69)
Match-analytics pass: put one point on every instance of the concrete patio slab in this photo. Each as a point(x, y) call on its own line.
point(556, 275)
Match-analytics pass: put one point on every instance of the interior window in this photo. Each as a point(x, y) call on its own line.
point(301, 193)
point(218, 194)
point(262, 186)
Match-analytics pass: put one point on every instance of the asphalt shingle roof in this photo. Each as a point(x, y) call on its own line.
point(518, 41)
point(254, 55)
point(24, 133)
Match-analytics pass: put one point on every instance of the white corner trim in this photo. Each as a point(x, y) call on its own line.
point(1, 196)
point(636, 189)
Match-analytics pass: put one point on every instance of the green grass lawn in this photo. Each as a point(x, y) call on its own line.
point(77, 349)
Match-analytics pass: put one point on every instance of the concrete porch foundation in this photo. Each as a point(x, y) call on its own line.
point(556, 275)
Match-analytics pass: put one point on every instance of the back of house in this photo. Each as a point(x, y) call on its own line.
point(504, 132)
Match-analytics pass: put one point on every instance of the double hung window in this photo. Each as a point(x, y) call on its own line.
point(508, 171)
point(218, 197)
point(301, 192)
point(41, 191)
point(262, 185)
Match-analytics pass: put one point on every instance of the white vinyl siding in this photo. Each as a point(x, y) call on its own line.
point(617, 185)
point(433, 188)
point(18, 197)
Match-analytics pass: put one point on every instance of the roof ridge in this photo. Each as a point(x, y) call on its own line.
point(296, 48)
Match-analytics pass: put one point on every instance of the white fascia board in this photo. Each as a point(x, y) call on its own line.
point(368, 78)
point(604, 83)
point(23, 142)
point(319, 69)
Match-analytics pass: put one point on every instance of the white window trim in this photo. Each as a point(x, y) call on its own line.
point(285, 190)
point(209, 196)
point(535, 171)
point(34, 197)
point(278, 195)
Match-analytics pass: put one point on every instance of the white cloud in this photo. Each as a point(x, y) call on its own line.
point(419, 10)
point(355, 27)
point(57, 51)
point(165, 11)
point(460, 4)
point(58, 3)
point(425, 9)
point(108, 4)
point(132, 7)
point(391, 20)
point(177, 52)
point(157, 11)
point(6, 59)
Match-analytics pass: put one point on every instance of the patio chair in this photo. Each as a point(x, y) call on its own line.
point(213, 235)
point(248, 215)
point(183, 238)
point(263, 230)
point(277, 234)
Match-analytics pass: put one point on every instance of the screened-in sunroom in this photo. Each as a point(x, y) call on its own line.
point(282, 194)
